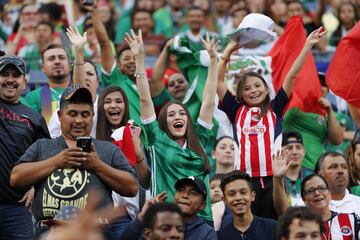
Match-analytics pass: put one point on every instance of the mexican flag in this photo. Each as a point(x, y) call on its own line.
point(343, 74)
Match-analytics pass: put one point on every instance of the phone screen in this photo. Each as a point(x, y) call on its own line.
point(84, 143)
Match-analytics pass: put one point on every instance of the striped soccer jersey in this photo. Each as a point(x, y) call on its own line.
point(258, 139)
point(342, 226)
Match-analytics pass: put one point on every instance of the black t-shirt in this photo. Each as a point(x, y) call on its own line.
point(260, 229)
point(70, 186)
point(20, 126)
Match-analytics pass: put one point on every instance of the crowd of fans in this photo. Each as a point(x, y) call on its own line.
point(128, 120)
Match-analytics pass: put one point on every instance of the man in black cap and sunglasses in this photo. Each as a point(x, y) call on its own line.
point(20, 126)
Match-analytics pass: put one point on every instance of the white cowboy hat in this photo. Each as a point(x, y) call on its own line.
point(254, 26)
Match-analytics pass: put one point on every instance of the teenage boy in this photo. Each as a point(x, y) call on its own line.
point(242, 224)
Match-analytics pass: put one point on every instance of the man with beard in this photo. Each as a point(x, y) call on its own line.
point(288, 173)
point(334, 168)
point(116, 71)
point(20, 126)
point(56, 66)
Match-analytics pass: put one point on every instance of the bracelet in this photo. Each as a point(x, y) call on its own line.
point(79, 63)
point(137, 162)
point(140, 75)
point(224, 59)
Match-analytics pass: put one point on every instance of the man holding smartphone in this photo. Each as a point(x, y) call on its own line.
point(62, 172)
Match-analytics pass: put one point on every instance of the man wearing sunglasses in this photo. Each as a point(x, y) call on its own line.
point(334, 168)
point(20, 126)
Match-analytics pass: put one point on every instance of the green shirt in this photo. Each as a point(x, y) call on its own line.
point(170, 162)
point(33, 98)
point(119, 79)
point(346, 123)
point(313, 129)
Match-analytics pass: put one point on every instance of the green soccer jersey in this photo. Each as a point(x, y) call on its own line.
point(119, 79)
point(170, 162)
point(313, 129)
point(36, 99)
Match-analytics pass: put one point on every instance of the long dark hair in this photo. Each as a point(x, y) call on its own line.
point(350, 158)
point(192, 139)
point(240, 88)
point(103, 127)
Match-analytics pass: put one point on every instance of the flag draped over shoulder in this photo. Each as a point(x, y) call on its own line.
point(307, 88)
point(343, 74)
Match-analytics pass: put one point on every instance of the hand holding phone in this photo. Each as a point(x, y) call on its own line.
point(84, 143)
point(136, 131)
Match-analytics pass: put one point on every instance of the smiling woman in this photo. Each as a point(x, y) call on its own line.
point(316, 195)
point(176, 142)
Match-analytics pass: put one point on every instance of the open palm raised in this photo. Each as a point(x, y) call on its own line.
point(135, 42)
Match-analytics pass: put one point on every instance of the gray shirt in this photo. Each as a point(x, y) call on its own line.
point(70, 186)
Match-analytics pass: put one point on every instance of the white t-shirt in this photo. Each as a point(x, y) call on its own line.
point(349, 204)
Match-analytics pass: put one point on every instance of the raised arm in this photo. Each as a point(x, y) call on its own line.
point(159, 69)
point(224, 59)
point(78, 42)
point(279, 167)
point(313, 39)
point(107, 55)
point(208, 100)
point(335, 133)
point(137, 47)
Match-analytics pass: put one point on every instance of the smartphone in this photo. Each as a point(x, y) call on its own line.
point(135, 130)
point(84, 143)
point(88, 2)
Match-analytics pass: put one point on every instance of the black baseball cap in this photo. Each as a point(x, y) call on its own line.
point(74, 90)
point(16, 61)
point(292, 134)
point(200, 185)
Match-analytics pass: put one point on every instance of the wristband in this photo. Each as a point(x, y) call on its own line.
point(224, 59)
point(140, 75)
point(137, 162)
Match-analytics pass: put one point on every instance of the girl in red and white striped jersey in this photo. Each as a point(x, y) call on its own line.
point(257, 121)
point(338, 226)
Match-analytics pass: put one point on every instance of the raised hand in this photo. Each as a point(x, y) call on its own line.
point(316, 36)
point(161, 197)
point(280, 165)
point(233, 46)
point(75, 37)
point(325, 104)
point(135, 42)
point(210, 45)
